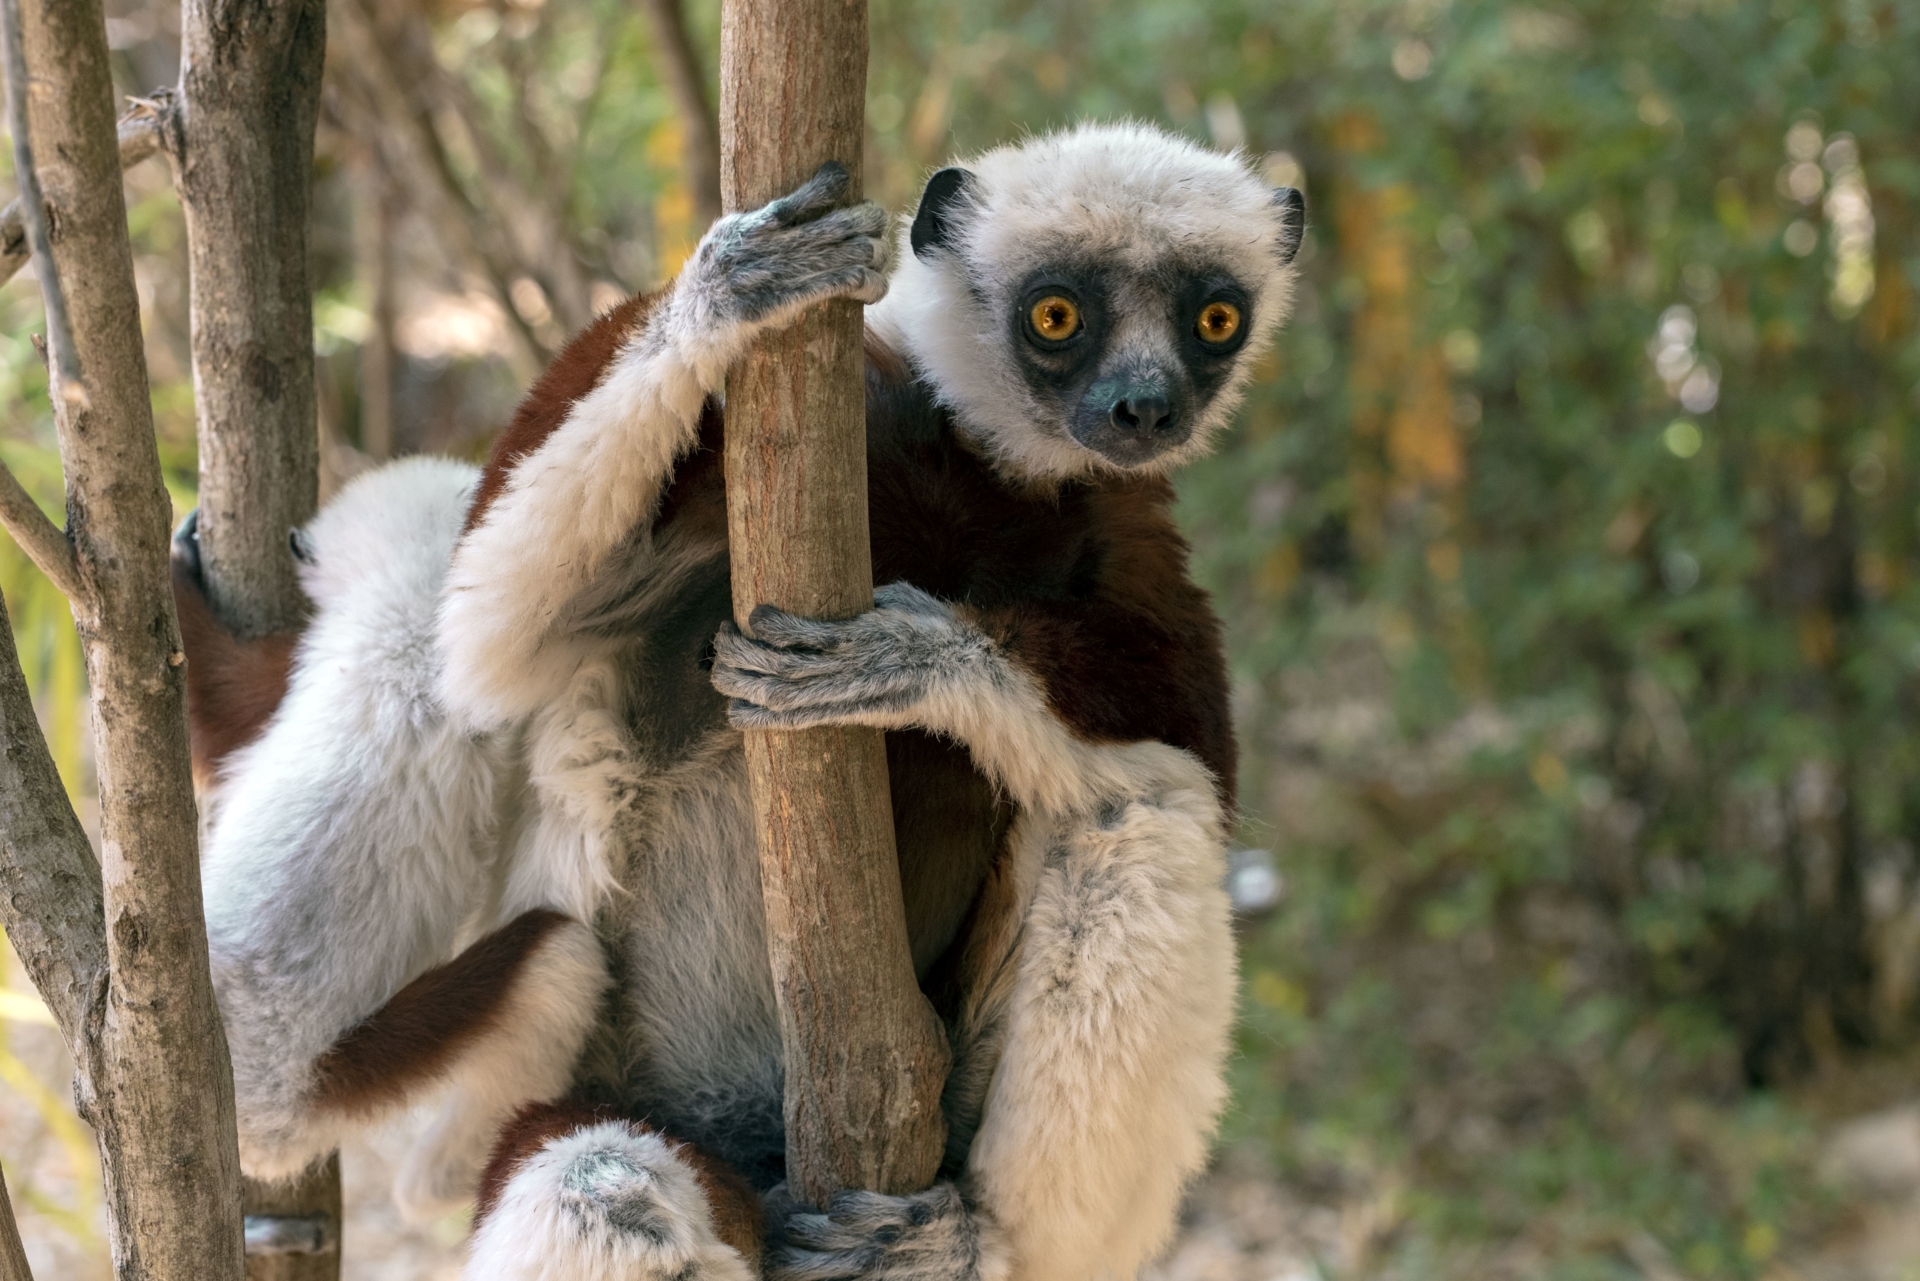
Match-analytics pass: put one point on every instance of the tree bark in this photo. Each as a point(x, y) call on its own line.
point(13, 1255)
point(140, 136)
point(865, 1056)
point(293, 1229)
point(154, 1076)
point(249, 98)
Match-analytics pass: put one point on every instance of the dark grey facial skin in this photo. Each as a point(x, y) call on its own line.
point(1129, 399)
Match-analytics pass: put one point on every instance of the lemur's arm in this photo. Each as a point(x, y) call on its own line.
point(1112, 1007)
point(584, 469)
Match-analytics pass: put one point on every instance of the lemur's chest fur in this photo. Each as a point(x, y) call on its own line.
point(694, 1038)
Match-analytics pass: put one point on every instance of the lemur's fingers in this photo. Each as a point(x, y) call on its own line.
point(826, 190)
point(775, 626)
point(849, 685)
point(882, 711)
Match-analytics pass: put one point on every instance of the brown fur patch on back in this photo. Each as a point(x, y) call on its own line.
point(417, 1034)
point(576, 371)
point(233, 686)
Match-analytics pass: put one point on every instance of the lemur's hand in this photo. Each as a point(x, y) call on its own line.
point(932, 1236)
point(874, 669)
point(763, 267)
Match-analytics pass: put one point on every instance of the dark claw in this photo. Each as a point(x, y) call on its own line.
point(300, 545)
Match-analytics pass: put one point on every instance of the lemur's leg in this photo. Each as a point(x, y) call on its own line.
point(1115, 1029)
point(352, 841)
point(576, 1194)
point(581, 481)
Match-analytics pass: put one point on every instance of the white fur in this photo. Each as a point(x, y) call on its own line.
point(1113, 1071)
point(1129, 195)
point(1111, 1078)
point(574, 1212)
point(359, 829)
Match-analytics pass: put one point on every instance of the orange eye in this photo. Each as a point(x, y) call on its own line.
point(1054, 318)
point(1218, 322)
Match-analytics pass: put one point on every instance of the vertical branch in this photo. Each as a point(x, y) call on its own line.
point(155, 1079)
point(250, 94)
point(865, 1056)
point(250, 99)
point(50, 895)
point(65, 365)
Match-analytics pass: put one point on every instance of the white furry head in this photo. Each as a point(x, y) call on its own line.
point(401, 519)
point(1139, 232)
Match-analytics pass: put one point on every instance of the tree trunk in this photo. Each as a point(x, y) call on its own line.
point(249, 98)
point(154, 1076)
point(250, 94)
point(865, 1055)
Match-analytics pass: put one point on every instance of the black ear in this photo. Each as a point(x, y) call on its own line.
point(1293, 221)
point(934, 226)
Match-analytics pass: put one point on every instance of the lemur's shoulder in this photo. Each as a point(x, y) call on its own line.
point(577, 370)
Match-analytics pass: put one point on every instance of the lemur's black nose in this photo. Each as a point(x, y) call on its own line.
point(1146, 414)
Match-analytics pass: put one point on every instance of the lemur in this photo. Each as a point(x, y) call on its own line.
point(484, 825)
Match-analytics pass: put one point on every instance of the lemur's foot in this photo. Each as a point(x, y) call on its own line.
point(932, 1236)
point(795, 672)
point(765, 265)
point(604, 1201)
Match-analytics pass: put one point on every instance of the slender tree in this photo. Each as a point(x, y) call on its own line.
point(865, 1055)
point(117, 946)
point(243, 163)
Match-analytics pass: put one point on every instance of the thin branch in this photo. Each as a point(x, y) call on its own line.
point(68, 382)
point(43, 541)
point(142, 132)
point(50, 891)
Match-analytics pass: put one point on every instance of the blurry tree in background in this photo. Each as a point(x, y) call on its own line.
point(1567, 544)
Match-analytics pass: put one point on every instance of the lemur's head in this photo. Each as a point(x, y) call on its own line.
point(1093, 300)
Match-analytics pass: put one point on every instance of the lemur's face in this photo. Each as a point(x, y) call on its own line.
point(1093, 301)
point(1125, 361)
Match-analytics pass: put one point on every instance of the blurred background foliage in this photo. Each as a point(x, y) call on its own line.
point(1567, 543)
